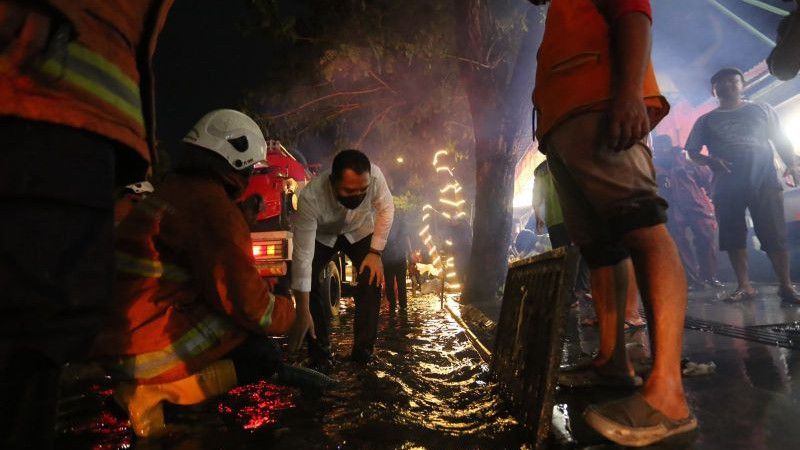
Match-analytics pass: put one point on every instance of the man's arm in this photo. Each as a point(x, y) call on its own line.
point(631, 42)
point(224, 269)
point(383, 204)
point(783, 146)
point(304, 228)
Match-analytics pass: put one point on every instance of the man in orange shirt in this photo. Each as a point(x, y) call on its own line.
point(596, 99)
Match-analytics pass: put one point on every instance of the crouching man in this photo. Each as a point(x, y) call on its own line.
point(191, 314)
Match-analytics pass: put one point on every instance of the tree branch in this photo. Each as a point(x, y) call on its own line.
point(323, 98)
point(374, 121)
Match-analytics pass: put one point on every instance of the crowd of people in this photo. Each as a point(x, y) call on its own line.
point(161, 289)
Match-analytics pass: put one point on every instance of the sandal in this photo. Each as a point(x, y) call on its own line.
point(740, 295)
point(633, 422)
point(789, 296)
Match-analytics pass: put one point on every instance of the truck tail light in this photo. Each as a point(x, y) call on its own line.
point(270, 251)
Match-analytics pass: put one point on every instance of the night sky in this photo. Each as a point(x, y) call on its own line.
point(203, 62)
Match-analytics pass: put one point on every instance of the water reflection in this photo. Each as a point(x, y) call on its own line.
point(426, 388)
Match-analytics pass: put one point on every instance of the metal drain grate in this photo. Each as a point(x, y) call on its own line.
point(780, 334)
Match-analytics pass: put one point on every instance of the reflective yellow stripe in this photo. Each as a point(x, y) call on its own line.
point(266, 319)
point(207, 333)
point(90, 72)
point(149, 268)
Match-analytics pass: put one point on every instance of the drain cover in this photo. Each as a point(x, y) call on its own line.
point(779, 334)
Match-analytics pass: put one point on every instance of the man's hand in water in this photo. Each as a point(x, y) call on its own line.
point(303, 322)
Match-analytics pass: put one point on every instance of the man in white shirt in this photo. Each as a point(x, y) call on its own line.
point(348, 209)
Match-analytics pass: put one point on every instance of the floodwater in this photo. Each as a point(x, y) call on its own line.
point(427, 388)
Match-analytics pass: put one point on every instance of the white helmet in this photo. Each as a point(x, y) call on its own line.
point(231, 134)
point(142, 187)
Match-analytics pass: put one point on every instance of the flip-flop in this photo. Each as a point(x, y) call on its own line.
point(633, 422)
point(631, 327)
point(588, 376)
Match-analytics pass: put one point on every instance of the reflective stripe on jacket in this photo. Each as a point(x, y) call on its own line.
point(187, 290)
point(574, 71)
point(88, 76)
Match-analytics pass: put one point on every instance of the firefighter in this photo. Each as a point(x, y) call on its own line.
point(76, 107)
point(191, 314)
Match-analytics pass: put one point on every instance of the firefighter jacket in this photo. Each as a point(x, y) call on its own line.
point(187, 290)
point(84, 64)
point(575, 68)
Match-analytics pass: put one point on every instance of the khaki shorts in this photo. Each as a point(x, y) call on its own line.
point(604, 194)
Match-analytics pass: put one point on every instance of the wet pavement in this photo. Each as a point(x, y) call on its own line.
point(427, 388)
point(751, 402)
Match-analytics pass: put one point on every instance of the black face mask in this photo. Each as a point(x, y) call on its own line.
point(352, 201)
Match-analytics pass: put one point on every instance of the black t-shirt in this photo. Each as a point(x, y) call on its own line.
point(741, 138)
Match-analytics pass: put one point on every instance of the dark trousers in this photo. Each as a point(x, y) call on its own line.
point(367, 299)
point(255, 359)
point(560, 238)
point(396, 270)
point(56, 266)
point(700, 262)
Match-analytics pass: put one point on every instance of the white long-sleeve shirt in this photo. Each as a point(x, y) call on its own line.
point(320, 217)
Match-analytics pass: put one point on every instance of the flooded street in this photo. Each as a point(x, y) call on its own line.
point(427, 388)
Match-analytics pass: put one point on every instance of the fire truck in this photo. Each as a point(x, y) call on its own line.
point(278, 182)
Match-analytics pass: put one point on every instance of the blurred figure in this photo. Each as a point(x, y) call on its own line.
point(784, 60)
point(416, 276)
point(548, 215)
point(76, 102)
point(685, 185)
point(596, 99)
point(395, 262)
point(191, 314)
point(525, 243)
point(740, 136)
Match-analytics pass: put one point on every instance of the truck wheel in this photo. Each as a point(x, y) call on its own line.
point(334, 287)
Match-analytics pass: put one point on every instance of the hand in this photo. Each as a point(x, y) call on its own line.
point(540, 226)
point(792, 176)
point(375, 265)
point(628, 122)
point(719, 165)
point(303, 324)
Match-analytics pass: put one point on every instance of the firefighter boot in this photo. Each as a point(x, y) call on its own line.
point(144, 402)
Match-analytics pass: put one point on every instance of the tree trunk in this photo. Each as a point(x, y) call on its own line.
point(498, 104)
point(491, 226)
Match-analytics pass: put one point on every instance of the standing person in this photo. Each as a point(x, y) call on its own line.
point(348, 209)
point(545, 198)
point(685, 185)
point(395, 262)
point(784, 60)
point(596, 99)
point(740, 136)
point(77, 121)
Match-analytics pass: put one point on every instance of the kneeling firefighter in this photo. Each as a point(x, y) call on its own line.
point(192, 314)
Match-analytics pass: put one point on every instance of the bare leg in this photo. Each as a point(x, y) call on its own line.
point(738, 258)
point(780, 263)
point(632, 315)
point(662, 282)
point(610, 289)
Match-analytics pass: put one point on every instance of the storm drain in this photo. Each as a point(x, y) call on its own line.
point(527, 350)
point(780, 334)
